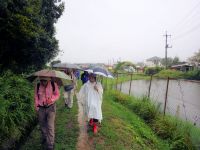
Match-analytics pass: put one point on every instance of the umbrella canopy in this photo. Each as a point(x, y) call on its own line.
point(66, 65)
point(55, 75)
point(100, 71)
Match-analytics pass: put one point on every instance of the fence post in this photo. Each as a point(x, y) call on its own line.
point(130, 84)
point(166, 95)
point(116, 81)
point(120, 87)
point(149, 87)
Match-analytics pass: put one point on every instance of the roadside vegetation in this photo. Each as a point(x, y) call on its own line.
point(179, 134)
point(191, 75)
point(16, 109)
point(170, 73)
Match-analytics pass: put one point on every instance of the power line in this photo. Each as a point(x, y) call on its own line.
point(187, 16)
point(187, 32)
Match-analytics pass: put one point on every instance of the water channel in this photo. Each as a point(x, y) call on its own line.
point(183, 99)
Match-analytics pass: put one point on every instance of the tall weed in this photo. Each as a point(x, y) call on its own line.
point(177, 133)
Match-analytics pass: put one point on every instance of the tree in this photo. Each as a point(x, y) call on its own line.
point(55, 62)
point(176, 60)
point(27, 33)
point(170, 61)
point(196, 57)
point(121, 65)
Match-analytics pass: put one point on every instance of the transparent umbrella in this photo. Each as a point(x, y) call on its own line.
point(100, 71)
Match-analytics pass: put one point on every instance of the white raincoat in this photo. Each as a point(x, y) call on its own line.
point(91, 100)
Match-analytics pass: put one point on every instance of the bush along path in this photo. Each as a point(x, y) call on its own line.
point(66, 129)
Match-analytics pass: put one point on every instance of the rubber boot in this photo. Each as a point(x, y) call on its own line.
point(91, 123)
point(95, 128)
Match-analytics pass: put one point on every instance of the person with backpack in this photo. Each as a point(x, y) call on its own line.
point(46, 93)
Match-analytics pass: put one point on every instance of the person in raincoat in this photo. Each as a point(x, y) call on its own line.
point(90, 96)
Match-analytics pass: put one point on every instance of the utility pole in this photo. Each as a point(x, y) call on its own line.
point(166, 47)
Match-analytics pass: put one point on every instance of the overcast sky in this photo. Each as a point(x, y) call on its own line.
point(127, 30)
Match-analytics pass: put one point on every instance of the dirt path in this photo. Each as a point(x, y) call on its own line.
point(84, 143)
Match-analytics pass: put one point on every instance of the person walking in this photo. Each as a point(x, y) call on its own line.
point(84, 77)
point(69, 90)
point(46, 93)
point(91, 96)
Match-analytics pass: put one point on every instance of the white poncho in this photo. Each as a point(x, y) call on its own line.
point(91, 100)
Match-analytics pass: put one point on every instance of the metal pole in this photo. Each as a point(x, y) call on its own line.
point(166, 95)
point(116, 81)
point(121, 87)
point(149, 87)
point(130, 84)
point(166, 47)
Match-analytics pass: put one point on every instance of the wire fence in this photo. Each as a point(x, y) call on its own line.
point(175, 97)
point(180, 98)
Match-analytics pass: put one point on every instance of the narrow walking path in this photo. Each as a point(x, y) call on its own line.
point(84, 143)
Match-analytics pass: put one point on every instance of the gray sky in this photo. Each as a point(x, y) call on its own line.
point(127, 30)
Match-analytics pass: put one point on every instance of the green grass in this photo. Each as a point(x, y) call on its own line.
point(121, 129)
point(170, 73)
point(66, 129)
point(179, 134)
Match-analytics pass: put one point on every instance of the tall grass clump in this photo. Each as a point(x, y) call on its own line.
point(170, 73)
point(179, 134)
point(153, 70)
point(16, 109)
point(193, 75)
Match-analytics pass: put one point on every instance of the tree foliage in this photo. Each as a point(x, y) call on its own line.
point(121, 65)
point(170, 61)
point(27, 38)
point(196, 57)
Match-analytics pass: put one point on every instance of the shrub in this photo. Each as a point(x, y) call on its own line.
point(152, 70)
point(145, 109)
point(193, 75)
point(16, 108)
point(142, 107)
point(170, 74)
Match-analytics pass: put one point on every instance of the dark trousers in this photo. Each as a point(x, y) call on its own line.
point(46, 116)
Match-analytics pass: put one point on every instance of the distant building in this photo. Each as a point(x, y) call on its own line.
point(129, 69)
point(184, 67)
point(153, 62)
point(140, 67)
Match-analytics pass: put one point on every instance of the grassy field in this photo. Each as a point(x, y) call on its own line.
point(67, 130)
